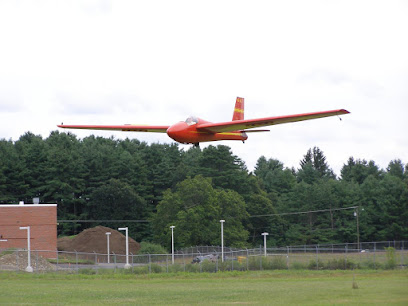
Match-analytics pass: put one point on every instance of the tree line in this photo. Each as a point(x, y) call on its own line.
point(159, 185)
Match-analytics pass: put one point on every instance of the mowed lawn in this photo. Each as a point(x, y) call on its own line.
point(263, 288)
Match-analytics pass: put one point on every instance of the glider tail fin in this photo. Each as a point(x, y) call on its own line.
point(238, 110)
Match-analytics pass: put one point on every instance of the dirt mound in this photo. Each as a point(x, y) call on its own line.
point(18, 260)
point(94, 240)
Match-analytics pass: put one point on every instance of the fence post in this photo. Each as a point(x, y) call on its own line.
point(76, 260)
point(57, 259)
point(184, 261)
point(167, 263)
point(36, 261)
point(96, 258)
point(131, 254)
point(114, 260)
point(375, 251)
point(317, 258)
point(247, 259)
point(232, 261)
point(287, 258)
point(216, 262)
point(17, 261)
point(150, 263)
point(345, 257)
point(402, 258)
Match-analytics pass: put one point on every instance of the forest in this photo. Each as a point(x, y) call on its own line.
point(149, 187)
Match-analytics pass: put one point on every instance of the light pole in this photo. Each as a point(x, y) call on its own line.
point(222, 240)
point(358, 230)
point(29, 268)
point(107, 243)
point(127, 265)
point(264, 235)
point(172, 244)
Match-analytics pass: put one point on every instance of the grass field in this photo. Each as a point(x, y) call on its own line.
point(260, 287)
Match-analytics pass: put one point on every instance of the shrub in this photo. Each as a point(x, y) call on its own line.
point(193, 268)
point(208, 266)
point(299, 266)
point(278, 263)
point(370, 264)
point(340, 264)
point(391, 258)
point(176, 268)
point(254, 263)
point(315, 265)
point(141, 270)
point(87, 271)
point(155, 268)
point(151, 248)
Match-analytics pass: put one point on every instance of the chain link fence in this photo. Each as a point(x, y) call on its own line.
point(366, 255)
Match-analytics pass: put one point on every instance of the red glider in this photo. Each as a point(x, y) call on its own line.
point(195, 130)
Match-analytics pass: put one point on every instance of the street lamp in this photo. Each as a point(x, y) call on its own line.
point(222, 240)
point(265, 234)
point(172, 244)
point(29, 268)
point(358, 230)
point(127, 265)
point(107, 243)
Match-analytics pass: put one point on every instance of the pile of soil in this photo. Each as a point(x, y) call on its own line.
point(19, 261)
point(94, 240)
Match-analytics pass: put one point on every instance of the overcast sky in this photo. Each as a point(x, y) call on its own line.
point(156, 62)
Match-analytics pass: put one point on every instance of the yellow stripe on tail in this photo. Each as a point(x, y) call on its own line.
point(238, 110)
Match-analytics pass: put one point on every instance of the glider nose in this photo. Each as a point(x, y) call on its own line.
point(175, 130)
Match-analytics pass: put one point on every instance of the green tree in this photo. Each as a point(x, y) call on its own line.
point(314, 165)
point(64, 178)
point(274, 177)
point(226, 170)
point(33, 153)
point(396, 168)
point(358, 170)
point(117, 200)
point(195, 208)
point(13, 186)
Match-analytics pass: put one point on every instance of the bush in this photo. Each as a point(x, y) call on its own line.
point(278, 263)
point(151, 248)
point(155, 268)
point(370, 264)
point(141, 270)
point(87, 271)
point(254, 263)
point(192, 268)
point(299, 266)
point(208, 266)
point(315, 265)
point(176, 268)
point(391, 258)
point(340, 264)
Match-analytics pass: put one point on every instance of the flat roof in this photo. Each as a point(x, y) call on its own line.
point(27, 205)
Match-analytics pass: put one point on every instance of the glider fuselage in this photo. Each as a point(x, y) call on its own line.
point(187, 132)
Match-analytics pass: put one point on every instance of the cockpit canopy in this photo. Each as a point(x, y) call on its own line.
point(191, 120)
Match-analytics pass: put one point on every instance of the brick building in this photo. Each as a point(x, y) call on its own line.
point(42, 219)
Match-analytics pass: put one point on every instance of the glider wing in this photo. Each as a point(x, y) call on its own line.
point(124, 128)
point(240, 125)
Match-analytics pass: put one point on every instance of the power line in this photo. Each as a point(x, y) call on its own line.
point(253, 216)
point(304, 212)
